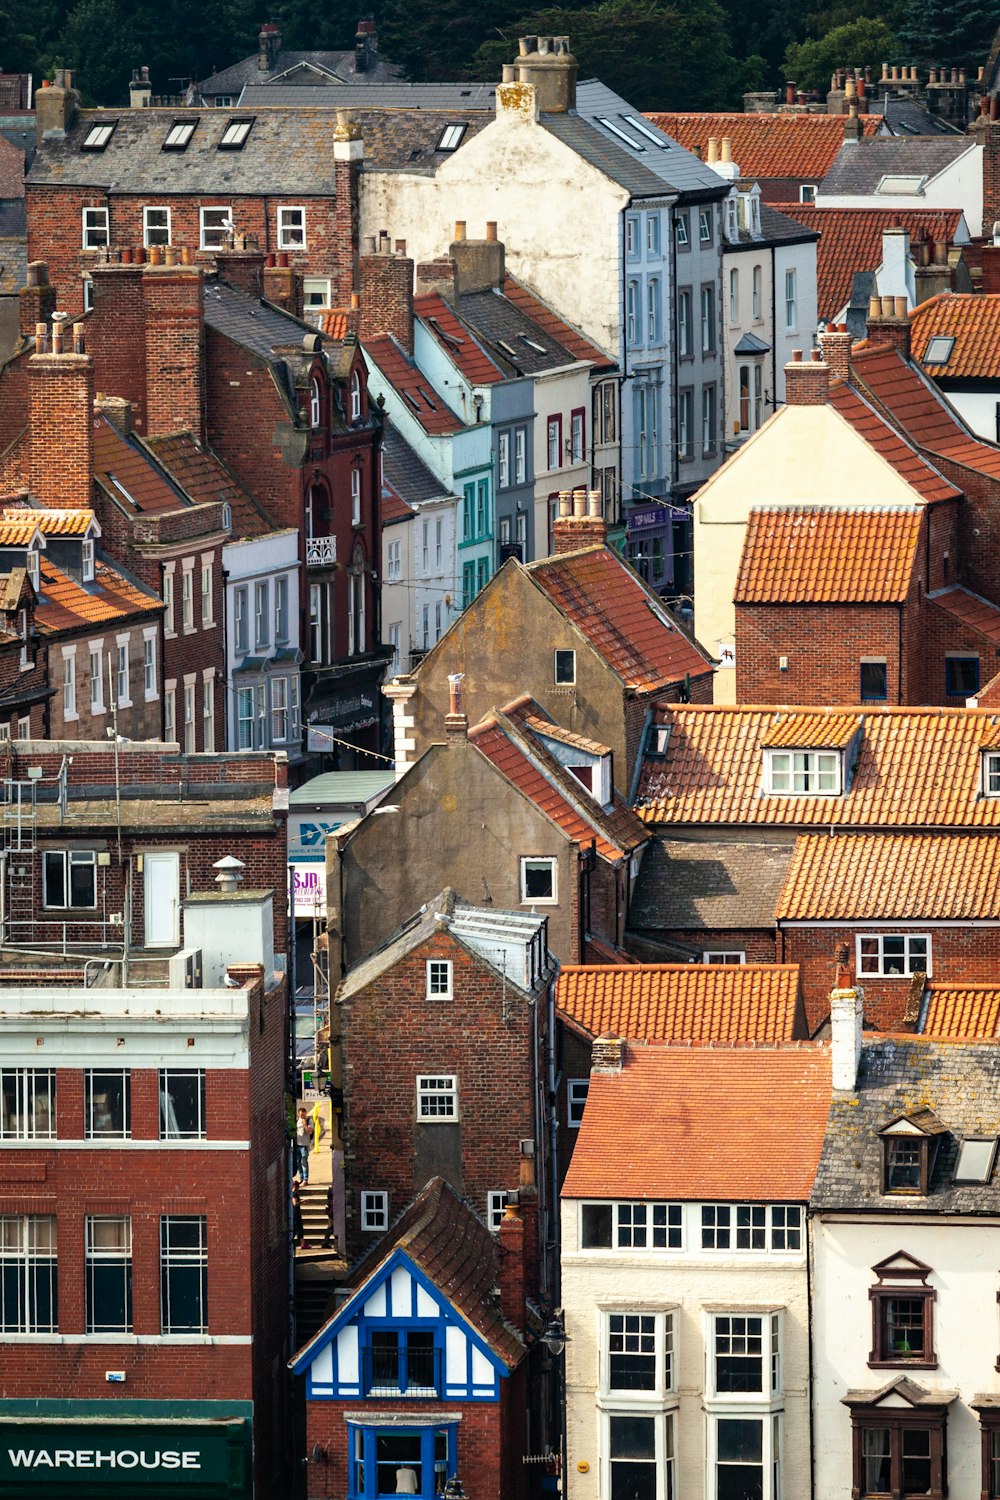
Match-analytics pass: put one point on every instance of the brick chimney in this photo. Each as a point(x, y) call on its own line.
point(348, 159)
point(437, 276)
point(242, 265)
point(455, 720)
point(479, 264)
point(116, 410)
point(268, 47)
point(282, 284)
point(513, 1278)
point(580, 522)
point(547, 64)
point(990, 282)
point(365, 46)
point(116, 334)
point(386, 294)
point(61, 430)
point(37, 300)
point(889, 324)
point(174, 298)
point(987, 130)
point(835, 345)
point(55, 106)
point(140, 90)
point(807, 381)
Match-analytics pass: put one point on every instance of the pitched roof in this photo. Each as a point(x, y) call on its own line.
point(810, 729)
point(624, 621)
point(682, 1002)
point(654, 1129)
point(513, 339)
point(859, 166)
point(825, 555)
point(969, 610)
point(802, 147)
point(973, 321)
point(959, 1012)
point(64, 604)
point(412, 385)
point(456, 339)
point(129, 474)
point(553, 323)
point(916, 768)
point(24, 522)
point(961, 1084)
point(340, 64)
point(892, 877)
point(207, 481)
point(922, 412)
point(851, 241)
point(471, 101)
point(406, 479)
point(896, 448)
point(708, 885)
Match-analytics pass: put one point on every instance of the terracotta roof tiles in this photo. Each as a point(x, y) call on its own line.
point(973, 321)
point(564, 333)
point(922, 477)
point(892, 877)
point(915, 406)
point(811, 729)
point(682, 1002)
point(962, 1011)
point(430, 409)
point(456, 339)
point(823, 555)
point(207, 481)
point(969, 610)
point(24, 521)
point(744, 1123)
point(64, 604)
point(128, 474)
point(803, 147)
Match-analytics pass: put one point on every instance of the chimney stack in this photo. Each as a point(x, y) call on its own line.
point(174, 306)
point(365, 46)
point(456, 721)
point(37, 300)
point(607, 1055)
point(580, 522)
point(889, 324)
point(61, 430)
point(836, 346)
point(387, 296)
point(546, 63)
point(140, 90)
point(846, 1013)
point(437, 276)
point(55, 107)
point(479, 264)
point(807, 382)
point(399, 692)
point(268, 47)
point(513, 1280)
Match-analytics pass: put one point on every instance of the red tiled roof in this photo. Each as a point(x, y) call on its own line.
point(851, 240)
point(961, 1012)
point(206, 479)
point(682, 1002)
point(456, 339)
point(704, 1122)
point(138, 475)
point(802, 147)
point(418, 395)
point(922, 478)
point(64, 604)
point(50, 522)
point(978, 614)
point(973, 321)
point(333, 321)
point(892, 877)
point(819, 555)
point(626, 624)
point(920, 411)
point(811, 728)
point(564, 333)
point(394, 507)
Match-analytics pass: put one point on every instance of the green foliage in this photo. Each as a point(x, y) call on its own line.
point(949, 31)
point(860, 43)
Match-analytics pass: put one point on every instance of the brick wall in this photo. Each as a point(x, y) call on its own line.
point(823, 645)
point(174, 299)
point(139, 720)
point(61, 402)
point(387, 297)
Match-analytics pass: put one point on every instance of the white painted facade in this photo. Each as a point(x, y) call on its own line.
point(263, 698)
point(979, 409)
point(687, 1291)
point(559, 394)
point(959, 185)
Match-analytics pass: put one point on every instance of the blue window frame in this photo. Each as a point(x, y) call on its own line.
point(402, 1361)
point(378, 1455)
point(468, 583)
point(961, 676)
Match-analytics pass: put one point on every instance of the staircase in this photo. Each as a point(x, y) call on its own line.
point(314, 1219)
point(313, 1299)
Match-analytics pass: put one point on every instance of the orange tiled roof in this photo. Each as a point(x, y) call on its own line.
point(978, 614)
point(682, 1002)
point(916, 768)
point(823, 555)
point(418, 395)
point(527, 712)
point(914, 405)
point(973, 321)
point(207, 481)
point(144, 484)
point(64, 604)
point(50, 522)
point(18, 530)
point(333, 321)
point(625, 623)
point(811, 729)
point(957, 1012)
point(704, 1122)
point(563, 333)
point(456, 339)
point(802, 147)
point(861, 876)
point(919, 474)
point(851, 240)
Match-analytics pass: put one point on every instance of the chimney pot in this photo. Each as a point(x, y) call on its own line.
point(580, 502)
point(508, 71)
point(888, 306)
point(594, 503)
point(727, 148)
point(491, 231)
point(41, 337)
point(355, 301)
point(400, 247)
point(459, 229)
point(874, 307)
point(797, 356)
point(900, 307)
point(368, 245)
point(713, 150)
point(455, 680)
point(816, 355)
point(565, 497)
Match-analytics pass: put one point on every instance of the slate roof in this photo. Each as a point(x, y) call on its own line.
point(412, 385)
point(905, 117)
point(63, 604)
point(957, 1012)
point(892, 877)
point(407, 481)
point(780, 228)
point(552, 323)
point(207, 481)
point(851, 241)
point(802, 147)
point(961, 1084)
point(457, 340)
point(973, 321)
point(13, 264)
point(498, 321)
point(647, 169)
point(916, 768)
point(859, 166)
point(683, 1002)
point(406, 140)
point(970, 611)
point(896, 448)
point(825, 555)
point(914, 405)
point(11, 169)
point(470, 98)
point(257, 325)
point(248, 70)
point(709, 885)
point(624, 621)
point(443, 1236)
point(654, 1129)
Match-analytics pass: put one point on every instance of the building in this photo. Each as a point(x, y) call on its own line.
point(264, 700)
point(685, 1275)
point(952, 340)
point(904, 173)
point(143, 1321)
point(274, 65)
point(419, 552)
point(901, 1215)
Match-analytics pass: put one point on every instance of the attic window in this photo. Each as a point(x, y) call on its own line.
point(510, 352)
point(648, 132)
point(897, 183)
point(975, 1159)
point(804, 772)
point(530, 344)
point(179, 135)
point(121, 489)
point(938, 351)
point(622, 136)
point(234, 137)
point(98, 136)
point(451, 138)
point(423, 392)
point(451, 339)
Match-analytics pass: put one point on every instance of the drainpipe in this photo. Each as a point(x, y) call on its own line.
point(674, 363)
point(774, 331)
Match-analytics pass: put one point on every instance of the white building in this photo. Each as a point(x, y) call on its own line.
point(895, 172)
point(906, 1396)
point(419, 540)
point(263, 654)
point(684, 1272)
point(954, 337)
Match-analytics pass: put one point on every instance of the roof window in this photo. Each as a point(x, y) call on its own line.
point(179, 135)
point(508, 349)
point(529, 343)
point(616, 130)
point(451, 137)
point(897, 182)
point(938, 351)
point(234, 137)
point(122, 490)
point(649, 133)
point(975, 1159)
point(98, 136)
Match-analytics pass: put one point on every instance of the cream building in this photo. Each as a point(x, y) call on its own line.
point(684, 1272)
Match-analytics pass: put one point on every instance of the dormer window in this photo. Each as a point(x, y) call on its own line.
point(179, 135)
point(33, 564)
point(732, 219)
point(87, 560)
point(804, 772)
point(908, 1148)
point(98, 136)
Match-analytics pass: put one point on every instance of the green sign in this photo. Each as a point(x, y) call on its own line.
point(61, 1457)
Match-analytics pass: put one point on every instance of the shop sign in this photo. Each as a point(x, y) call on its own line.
point(354, 708)
point(118, 1458)
point(309, 889)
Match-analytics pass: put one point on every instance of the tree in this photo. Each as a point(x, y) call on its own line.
point(949, 31)
point(862, 43)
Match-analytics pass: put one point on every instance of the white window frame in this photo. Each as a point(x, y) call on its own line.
point(208, 710)
point(757, 288)
point(69, 684)
point(503, 460)
point(123, 673)
point(724, 956)
point(149, 684)
point(528, 861)
point(496, 1208)
point(316, 291)
point(771, 1340)
point(393, 562)
point(213, 236)
point(734, 296)
point(991, 773)
point(806, 765)
point(576, 1099)
point(374, 1212)
point(241, 619)
point(733, 1227)
point(95, 651)
point(664, 1450)
point(207, 594)
point(33, 1249)
point(88, 562)
point(520, 455)
point(281, 609)
point(356, 497)
point(190, 733)
point(681, 234)
point(355, 396)
point(279, 709)
point(169, 617)
point(706, 226)
point(261, 615)
point(152, 233)
point(95, 1253)
point(440, 978)
point(28, 1085)
point(246, 718)
point(394, 639)
point(95, 228)
point(664, 1352)
point(437, 1088)
point(170, 713)
point(880, 972)
point(315, 402)
point(187, 596)
point(791, 301)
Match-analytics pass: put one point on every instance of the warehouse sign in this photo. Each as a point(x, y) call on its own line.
point(46, 1458)
point(95, 1458)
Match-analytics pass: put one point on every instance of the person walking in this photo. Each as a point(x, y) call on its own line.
point(302, 1146)
point(298, 1228)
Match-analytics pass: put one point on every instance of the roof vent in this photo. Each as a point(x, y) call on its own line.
point(230, 873)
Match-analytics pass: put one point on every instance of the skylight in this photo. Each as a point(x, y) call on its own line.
point(451, 138)
point(938, 351)
point(648, 132)
point(179, 135)
point(98, 136)
point(121, 489)
point(530, 344)
point(510, 352)
point(898, 183)
point(616, 130)
point(975, 1160)
point(235, 134)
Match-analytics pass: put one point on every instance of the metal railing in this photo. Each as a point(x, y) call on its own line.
point(409, 1370)
point(320, 550)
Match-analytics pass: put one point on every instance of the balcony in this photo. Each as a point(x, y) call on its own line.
point(321, 551)
point(402, 1365)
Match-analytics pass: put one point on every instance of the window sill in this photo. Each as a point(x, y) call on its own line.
point(902, 1364)
point(125, 703)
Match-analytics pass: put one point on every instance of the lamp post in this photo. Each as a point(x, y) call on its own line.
point(555, 1339)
